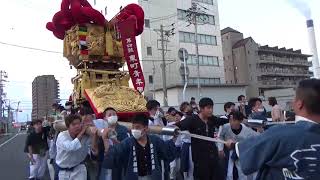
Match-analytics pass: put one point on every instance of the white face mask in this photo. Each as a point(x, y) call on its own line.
point(261, 110)
point(137, 134)
point(68, 107)
point(112, 120)
point(157, 115)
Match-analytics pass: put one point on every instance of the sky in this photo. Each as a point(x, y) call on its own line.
point(272, 22)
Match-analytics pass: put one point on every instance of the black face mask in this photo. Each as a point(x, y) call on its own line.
point(237, 131)
point(189, 113)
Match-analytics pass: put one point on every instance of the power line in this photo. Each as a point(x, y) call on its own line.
point(164, 18)
point(31, 48)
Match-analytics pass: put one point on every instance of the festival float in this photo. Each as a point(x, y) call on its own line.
point(99, 49)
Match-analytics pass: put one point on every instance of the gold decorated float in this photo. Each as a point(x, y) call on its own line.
point(98, 53)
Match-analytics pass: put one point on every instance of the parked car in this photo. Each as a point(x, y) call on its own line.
point(23, 128)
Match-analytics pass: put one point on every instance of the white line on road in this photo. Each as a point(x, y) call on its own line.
point(8, 140)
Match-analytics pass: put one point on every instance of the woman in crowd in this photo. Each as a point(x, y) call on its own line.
point(276, 112)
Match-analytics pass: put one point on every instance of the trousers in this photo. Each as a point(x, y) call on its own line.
point(241, 176)
point(78, 173)
point(38, 168)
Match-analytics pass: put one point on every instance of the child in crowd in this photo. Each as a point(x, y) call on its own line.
point(238, 132)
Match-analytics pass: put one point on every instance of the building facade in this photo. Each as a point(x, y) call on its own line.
point(172, 15)
point(220, 93)
point(261, 67)
point(45, 92)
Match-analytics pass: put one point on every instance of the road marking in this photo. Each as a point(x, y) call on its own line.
point(9, 140)
point(6, 134)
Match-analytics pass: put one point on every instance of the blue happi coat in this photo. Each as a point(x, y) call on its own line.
point(285, 152)
point(123, 156)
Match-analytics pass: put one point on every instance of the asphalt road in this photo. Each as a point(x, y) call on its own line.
point(14, 164)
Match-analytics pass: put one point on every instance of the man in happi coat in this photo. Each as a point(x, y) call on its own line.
point(140, 155)
point(288, 152)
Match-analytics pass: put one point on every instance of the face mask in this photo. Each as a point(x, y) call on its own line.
point(158, 115)
point(112, 120)
point(137, 134)
point(68, 107)
point(100, 123)
point(260, 110)
point(113, 135)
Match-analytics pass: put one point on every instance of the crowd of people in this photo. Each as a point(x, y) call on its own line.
point(102, 149)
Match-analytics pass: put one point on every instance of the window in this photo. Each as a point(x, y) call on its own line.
point(150, 79)
point(192, 37)
point(147, 23)
point(203, 60)
point(187, 37)
point(149, 51)
point(201, 38)
point(207, 40)
point(203, 18)
point(205, 1)
point(204, 81)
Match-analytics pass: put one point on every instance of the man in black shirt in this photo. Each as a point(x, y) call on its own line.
point(204, 153)
point(37, 147)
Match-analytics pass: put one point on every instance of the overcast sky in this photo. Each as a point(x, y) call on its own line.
point(272, 22)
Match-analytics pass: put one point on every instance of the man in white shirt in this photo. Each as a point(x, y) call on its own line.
point(156, 116)
point(238, 132)
point(228, 108)
point(72, 149)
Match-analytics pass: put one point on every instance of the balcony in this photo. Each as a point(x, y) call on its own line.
point(283, 72)
point(284, 61)
point(277, 83)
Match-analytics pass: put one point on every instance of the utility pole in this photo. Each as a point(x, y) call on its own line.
point(3, 76)
point(164, 35)
point(153, 86)
point(163, 67)
point(195, 13)
point(194, 16)
point(9, 116)
point(197, 50)
point(17, 112)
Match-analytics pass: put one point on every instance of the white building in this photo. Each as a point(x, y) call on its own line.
point(166, 13)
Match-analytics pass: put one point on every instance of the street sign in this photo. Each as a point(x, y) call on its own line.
point(182, 70)
point(180, 54)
